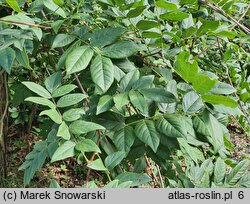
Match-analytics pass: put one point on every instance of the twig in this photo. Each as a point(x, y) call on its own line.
point(242, 16)
point(2, 134)
point(150, 169)
point(128, 108)
point(27, 24)
point(161, 179)
point(81, 87)
point(235, 24)
point(219, 10)
point(231, 83)
point(137, 112)
point(92, 158)
point(205, 50)
point(44, 15)
point(241, 107)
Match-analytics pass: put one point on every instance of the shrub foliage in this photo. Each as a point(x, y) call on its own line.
point(141, 91)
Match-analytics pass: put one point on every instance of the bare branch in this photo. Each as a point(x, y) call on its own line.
point(27, 24)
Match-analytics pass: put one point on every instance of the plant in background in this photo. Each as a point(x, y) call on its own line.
point(141, 91)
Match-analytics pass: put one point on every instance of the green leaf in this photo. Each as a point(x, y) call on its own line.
point(22, 58)
point(102, 73)
point(105, 103)
point(136, 178)
point(245, 181)
point(118, 73)
point(174, 16)
point(7, 57)
point(146, 132)
point(124, 138)
point(8, 43)
point(97, 165)
point(54, 184)
point(37, 31)
point(200, 127)
point(188, 23)
point(111, 35)
point(36, 162)
point(59, 2)
point(112, 160)
point(126, 184)
point(219, 171)
point(73, 114)
point(81, 127)
point(238, 171)
point(208, 26)
point(61, 62)
point(202, 83)
point(121, 100)
point(151, 35)
point(144, 82)
point(172, 126)
point(216, 99)
point(166, 5)
point(111, 120)
point(227, 110)
point(63, 90)
point(66, 150)
point(184, 68)
point(53, 114)
point(87, 145)
point(146, 25)
point(70, 99)
point(38, 89)
point(14, 5)
point(192, 102)
point(224, 33)
point(54, 8)
point(121, 49)
point(78, 59)
point(56, 25)
point(112, 184)
point(222, 88)
point(138, 101)
point(129, 80)
point(136, 12)
point(62, 40)
point(41, 101)
point(192, 152)
point(91, 185)
point(215, 131)
point(160, 95)
point(53, 81)
point(63, 131)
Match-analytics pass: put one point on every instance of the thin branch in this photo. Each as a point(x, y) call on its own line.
point(81, 87)
point(214, 43)
point(235, 94)
point(44, 15)
point(27, 24)
point(241, 107)
point(93, 157)
point(161, 178)
point(219, 10)
point(2, 133)
point(242, 16)
point(151, 169)
point(205, 50)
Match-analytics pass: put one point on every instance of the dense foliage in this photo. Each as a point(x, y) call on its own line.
point(141, 91)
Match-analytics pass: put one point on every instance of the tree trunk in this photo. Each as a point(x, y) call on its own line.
point(3, 122)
